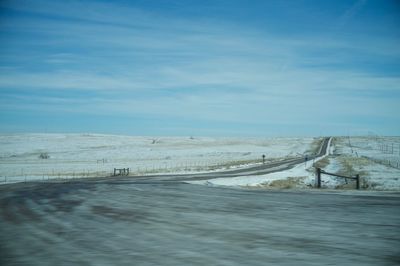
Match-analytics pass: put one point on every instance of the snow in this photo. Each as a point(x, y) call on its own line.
point(298, 171)
point(376, 159)
point(364, 157)
point(90, 155)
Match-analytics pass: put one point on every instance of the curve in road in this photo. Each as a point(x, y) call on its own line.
point(253, 170)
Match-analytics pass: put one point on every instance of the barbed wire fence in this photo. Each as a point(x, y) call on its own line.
point(105, 168)
point(390, 150)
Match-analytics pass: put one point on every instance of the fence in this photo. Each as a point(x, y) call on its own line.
point(320, 171)
point(52, 176)
point(387, 150)
point(383, 145)
point(121, 171)
point(388, 162)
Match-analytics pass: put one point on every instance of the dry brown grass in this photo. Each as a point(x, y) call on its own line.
point(227, 165)
point(315, 145)
point(322, 163)
point(348, 164)
point(289, 183)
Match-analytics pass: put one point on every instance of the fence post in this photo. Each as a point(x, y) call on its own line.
point(358, 181)
point(318, 177)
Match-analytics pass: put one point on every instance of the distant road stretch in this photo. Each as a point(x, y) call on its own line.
point(253, 170)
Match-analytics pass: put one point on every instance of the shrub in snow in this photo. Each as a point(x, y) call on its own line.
point(44, 155)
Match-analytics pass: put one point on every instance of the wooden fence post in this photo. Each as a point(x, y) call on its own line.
point(318, 177)
point(358, 181)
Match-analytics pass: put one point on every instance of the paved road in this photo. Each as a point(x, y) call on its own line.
point(252, 170)
point(173, 223)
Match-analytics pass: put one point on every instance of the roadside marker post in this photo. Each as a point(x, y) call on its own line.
point(305, 161)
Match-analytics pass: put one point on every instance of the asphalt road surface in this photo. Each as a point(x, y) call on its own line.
point(154, 222)
point(252, 170)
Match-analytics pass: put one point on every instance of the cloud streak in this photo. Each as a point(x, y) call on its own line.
point(136, 62)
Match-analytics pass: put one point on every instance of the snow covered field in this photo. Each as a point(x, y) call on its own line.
point(375, 159)
point(89, 155)
point(24, 157)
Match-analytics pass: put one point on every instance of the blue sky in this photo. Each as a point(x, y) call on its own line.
point(201, 68)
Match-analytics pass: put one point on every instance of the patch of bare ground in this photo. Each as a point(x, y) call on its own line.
point(315, 145)
point(322, 163)
point(351, 166)
point(288, 183)
point(230, 164)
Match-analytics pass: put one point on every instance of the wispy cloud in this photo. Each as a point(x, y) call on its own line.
point(350, 13)
point(137, 62)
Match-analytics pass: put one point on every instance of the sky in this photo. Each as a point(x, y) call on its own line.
point(200, 68)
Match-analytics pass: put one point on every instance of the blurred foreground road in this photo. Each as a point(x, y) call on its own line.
point(173, 223)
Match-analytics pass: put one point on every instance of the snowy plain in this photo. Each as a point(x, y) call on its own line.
point(376, 159)
point(93, 155)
